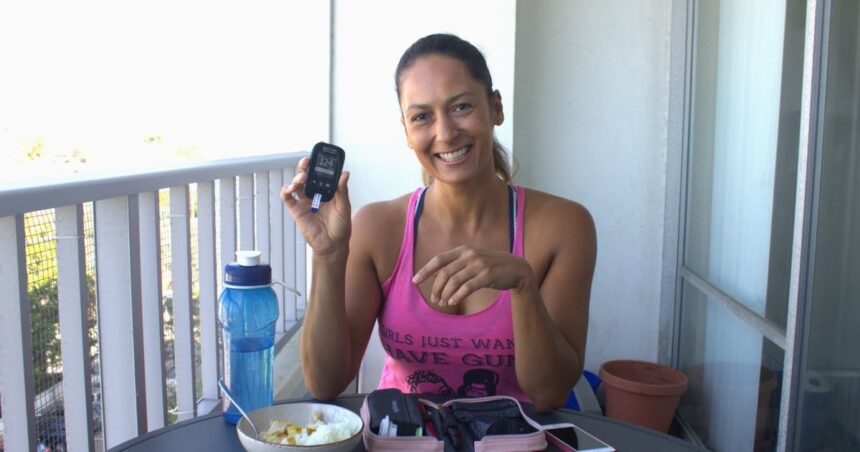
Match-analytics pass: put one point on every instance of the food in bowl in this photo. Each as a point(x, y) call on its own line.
point(319, 431)
point(301, 414)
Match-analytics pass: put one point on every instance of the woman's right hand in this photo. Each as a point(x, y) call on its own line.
point(326, 231)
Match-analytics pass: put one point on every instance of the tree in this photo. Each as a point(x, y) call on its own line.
point(44, 304)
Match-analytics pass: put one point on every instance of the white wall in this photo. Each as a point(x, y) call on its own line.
point(592, 97)
point(368, 39)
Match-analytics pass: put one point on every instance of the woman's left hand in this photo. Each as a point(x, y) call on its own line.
point(464, 270)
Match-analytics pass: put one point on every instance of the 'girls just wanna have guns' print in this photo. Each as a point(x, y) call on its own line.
point(455, 366)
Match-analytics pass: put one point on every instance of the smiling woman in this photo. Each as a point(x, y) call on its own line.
point(476, 291)
point(104, 86)
point(418, 117)
point(467, 117)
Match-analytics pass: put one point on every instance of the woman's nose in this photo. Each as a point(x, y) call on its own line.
point(446, 129)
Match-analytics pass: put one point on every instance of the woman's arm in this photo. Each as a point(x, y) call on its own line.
point(344, 303)
point(334, 332)
point(550, 312)
point(551, 317)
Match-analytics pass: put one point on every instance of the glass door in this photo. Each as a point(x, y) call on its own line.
point(739, 335)
point(829, 388)
point(741, 170)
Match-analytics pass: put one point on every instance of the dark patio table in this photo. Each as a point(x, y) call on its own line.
point(211, 433)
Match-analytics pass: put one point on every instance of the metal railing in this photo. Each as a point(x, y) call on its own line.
point(211, 210)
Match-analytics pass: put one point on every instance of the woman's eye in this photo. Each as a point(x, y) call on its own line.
point(419, 117)
point(462, 107)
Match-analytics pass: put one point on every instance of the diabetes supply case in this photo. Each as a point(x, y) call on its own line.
point(495, 423)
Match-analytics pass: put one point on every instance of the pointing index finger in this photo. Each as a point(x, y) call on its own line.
point(433, 266)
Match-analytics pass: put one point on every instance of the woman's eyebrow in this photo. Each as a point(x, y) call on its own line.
point(450, 100)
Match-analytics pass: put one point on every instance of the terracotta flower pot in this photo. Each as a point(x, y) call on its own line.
point(642, 393)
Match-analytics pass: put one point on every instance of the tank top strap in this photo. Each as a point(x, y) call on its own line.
point(519, 224)
point(404, 257)
point(416, 209)
point(516, 202)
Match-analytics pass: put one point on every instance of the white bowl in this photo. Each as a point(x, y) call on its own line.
point(301, 414)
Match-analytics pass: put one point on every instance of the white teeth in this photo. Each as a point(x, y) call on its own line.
point(454, 155)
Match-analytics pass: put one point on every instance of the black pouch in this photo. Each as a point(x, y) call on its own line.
point(456, 435)
point(492, 417)
point(399, 408)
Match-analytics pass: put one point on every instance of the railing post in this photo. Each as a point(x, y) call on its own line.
point(152, 309)
point(183, 324)
point(276, 231)
point(261, 215)
point(227, 209)
point(300, 259)
point(208, 292)
point(73, 294)
point(16, 350)
point(246, 212)
point(291, 258)
point(122, 385)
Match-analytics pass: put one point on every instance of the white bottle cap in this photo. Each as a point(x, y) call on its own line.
point(248, 258)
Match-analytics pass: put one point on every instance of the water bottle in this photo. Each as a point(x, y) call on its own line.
point(247, 311)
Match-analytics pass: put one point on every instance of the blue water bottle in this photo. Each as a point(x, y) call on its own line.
point(247, 311)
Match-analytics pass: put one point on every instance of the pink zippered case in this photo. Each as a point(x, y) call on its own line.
point(495, 423)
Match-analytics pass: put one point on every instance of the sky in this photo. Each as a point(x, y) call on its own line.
point(132, 84)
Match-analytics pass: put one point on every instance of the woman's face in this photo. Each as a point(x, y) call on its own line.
point(448, 118)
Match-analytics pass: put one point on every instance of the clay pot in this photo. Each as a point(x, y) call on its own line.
point(642, 393)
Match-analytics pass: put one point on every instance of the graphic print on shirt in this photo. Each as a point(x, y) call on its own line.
point(462, 366)
point(427, 382)
point(476, 383)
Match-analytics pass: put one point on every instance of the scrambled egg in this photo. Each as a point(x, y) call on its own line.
point(317, 432)
point(285, 432)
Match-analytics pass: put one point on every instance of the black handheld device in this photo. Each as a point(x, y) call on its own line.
point(323, 173)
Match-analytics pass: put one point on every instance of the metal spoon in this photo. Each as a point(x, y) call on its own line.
point(238, 407)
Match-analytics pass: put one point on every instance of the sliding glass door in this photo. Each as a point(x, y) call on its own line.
point(829, 388)
point(741, 170)
point(768, 297)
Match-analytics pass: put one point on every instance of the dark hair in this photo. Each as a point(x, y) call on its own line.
point(454, 47)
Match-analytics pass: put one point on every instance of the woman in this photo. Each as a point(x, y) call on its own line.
point(479, 287)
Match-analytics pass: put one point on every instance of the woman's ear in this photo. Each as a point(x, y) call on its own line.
point(498, 110)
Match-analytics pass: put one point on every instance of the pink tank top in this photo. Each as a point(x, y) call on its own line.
point(430, 352)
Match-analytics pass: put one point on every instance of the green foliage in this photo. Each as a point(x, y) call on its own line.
point(44, 305)
point(46, 337)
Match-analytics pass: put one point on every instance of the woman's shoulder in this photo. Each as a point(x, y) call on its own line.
point(377, 232)
point(547, 214)
point(380, 223)
point(546, 207)
point(382, 213)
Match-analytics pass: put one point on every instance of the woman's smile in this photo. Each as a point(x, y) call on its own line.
point(455, 156)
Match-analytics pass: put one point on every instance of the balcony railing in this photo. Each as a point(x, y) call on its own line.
point(233, 204)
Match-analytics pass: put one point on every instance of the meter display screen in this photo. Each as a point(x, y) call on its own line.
point(326, 165)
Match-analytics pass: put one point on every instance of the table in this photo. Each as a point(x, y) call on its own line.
point(211, 433)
